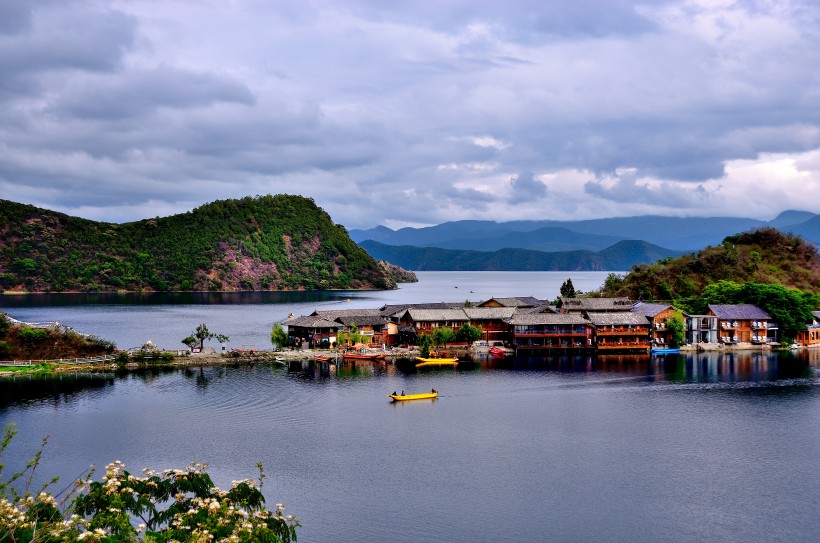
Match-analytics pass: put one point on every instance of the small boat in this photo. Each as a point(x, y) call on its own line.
point(321, 358)
point(436, 362)
point(664, 350)
point(497, 351)
point(408, 397)
point(364, 356)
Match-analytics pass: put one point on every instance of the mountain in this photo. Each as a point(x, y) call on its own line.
point(264, 243)
point(678, 233)
point(620, 256)
point(765, 255)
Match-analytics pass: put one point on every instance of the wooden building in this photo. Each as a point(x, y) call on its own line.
point(620, 331)
point(493, 322)
point(312, 330)
point(657, 315)
point(549, 332)
point(702, 329)
point(811, 335)
point(743, 323)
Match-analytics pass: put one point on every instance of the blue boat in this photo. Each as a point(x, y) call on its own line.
point(664, 350)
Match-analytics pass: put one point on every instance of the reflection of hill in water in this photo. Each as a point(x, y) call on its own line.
point(55, 390)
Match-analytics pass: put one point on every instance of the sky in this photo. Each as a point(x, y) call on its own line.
point(413, 112)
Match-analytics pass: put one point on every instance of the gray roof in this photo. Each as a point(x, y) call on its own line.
point(478, 313)
point(333, 314)
point(546, 318)
point(396, 309)
point(617, 319)
point(816, 314)
point(649, 310)
point(437, 315)
point(518, 301)
point(544, 308)
point(362, 320)
point(596, 304)
point(312, 321)
point(738, 312)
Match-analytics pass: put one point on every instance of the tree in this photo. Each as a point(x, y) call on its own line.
point(278, 336)
point(202, 334)
point(567, 289)
point(424, 345)
point(442, 336)
point(677, 330)
point(468, 334)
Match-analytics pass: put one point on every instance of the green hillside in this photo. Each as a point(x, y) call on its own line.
point(262, 243)
point(762, 256)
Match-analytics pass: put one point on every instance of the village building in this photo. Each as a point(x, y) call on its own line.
point(492, 321)
point(312, 330)
point(811, 335)
point(702, 329)
point(369, 326)
point(743, 323)
point(425, 321)
point(549, 332)
point(620, 331)
point(657, 315)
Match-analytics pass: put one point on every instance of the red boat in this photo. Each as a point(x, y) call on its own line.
point(321, 358)
point(496, 351)
point(364, 356)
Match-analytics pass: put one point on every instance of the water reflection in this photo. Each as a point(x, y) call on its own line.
point(171, 298)
point(695, 368)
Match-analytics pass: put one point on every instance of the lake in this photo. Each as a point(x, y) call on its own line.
point(129, 320)
point(717, 447)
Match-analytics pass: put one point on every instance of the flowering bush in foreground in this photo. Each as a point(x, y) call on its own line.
point(162, 507)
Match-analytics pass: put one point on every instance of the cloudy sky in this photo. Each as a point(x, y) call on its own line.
point(413, 112)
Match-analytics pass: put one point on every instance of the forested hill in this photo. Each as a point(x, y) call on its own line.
point(765, 256)
point(263, 243)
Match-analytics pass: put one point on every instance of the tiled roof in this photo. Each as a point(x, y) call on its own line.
point(649, 310)
point(437, 315)
point(394, 310)
point(816, 314)
point(519, 301)
point(333, 314)
point(617, 319)
point(544, 308)
point(738, 312)
point(596, 304)
point(312, 321)
point(362, 320)
point(546, 318)
point(478, 313)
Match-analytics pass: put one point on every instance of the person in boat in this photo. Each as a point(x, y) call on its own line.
point(394, 393)
point(402, 393)
point(433, 390)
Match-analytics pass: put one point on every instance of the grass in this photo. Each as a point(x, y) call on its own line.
point(27, 370)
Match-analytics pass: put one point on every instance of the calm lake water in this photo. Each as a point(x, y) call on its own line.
point(246, 318)
point(623, 448)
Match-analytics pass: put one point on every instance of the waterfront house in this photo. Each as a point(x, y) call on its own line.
point(657, 315)
point(369, 326)
point(620, 331)
point(396, 333)
point(425, 321)
point(549, 332)
point(702, 329)
point(811, 334)
point(312, 330)
point(743, 323)
point(492, 321)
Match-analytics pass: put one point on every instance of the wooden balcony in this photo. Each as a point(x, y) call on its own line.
point(622, 331)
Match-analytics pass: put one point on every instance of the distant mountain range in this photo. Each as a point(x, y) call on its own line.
point(598, 244)
point(620, 256)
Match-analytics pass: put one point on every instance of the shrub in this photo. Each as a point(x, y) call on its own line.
point(32, 336)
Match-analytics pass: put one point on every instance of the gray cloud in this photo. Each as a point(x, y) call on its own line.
point(404, 112)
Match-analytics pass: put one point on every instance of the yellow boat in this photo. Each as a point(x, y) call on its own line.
point(408, 397)
point(436, 361)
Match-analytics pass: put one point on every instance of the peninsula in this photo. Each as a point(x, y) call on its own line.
point(280, 242)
